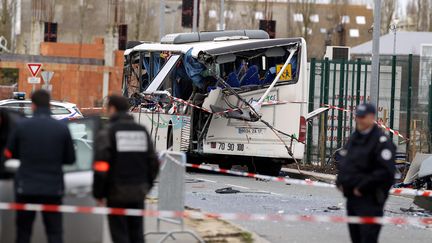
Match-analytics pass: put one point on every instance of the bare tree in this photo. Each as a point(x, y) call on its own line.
point(143, 19)
point(412, 15)
point(422, 17)
point(229, 12)
point(140, 7)
point(306, 9)
point(387, 14)
point(252, 9)
point(430, 17)
point(7, 7)
point(206, 17)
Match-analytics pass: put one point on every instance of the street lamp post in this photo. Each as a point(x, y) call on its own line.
point(162, 19)
point(222, 15)
point(374, 87)
point(195, 16)
point(393, 28)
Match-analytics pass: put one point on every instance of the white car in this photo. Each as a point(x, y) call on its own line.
point(60, 110)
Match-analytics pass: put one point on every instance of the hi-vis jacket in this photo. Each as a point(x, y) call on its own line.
point(125, 163)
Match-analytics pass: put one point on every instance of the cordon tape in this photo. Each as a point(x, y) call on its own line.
point(395, 132)
point(307, 182)
point(417, 221)
point(268, 103)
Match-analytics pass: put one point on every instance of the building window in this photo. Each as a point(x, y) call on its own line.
point(354, 33)
point(307, 30)
point(212, 14)
point(259, 15)
point(298, 17)
point(228, 14)
point(314, 18)
point(345, 19)
point(361, 20)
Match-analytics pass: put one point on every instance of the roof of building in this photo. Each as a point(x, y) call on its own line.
point(406, 43)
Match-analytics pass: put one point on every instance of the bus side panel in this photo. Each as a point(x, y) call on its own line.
point(159, 127)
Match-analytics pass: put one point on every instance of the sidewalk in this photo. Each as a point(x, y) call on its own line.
point(210, 230)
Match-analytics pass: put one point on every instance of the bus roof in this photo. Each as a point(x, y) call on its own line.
point(215, 47)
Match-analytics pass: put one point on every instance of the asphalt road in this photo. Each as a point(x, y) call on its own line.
point(275, 197)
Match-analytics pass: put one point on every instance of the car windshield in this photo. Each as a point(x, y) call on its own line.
point(82, 132)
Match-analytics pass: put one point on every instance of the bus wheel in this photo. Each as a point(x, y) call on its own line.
point(268, 167)
point(225, 165)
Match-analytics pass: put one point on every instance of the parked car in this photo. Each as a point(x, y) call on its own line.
point(60, 110)
point(83, 228)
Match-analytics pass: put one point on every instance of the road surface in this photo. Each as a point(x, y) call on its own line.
point(275, 197)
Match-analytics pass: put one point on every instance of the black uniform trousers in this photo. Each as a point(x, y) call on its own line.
point(126, 229)
point(52, 221)
point(364, 206)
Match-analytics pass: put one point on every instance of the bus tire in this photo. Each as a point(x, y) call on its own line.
point(225, 165)
point(268, 167)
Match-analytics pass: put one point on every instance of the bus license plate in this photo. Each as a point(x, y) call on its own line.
point(230, 146)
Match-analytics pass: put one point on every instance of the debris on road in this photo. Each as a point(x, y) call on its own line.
point(333, 208)
point(227, 190)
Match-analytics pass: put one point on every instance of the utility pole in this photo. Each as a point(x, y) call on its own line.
point(162, 19)
point(195, 16)
point(222, 15)
point(374, 92)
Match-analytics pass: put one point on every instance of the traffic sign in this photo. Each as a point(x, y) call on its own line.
point(34, 68)
point(47, 76)
point(287, 73)
point(33, 80)
point(47, 87)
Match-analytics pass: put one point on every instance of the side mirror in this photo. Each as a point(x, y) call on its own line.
point(12, 165)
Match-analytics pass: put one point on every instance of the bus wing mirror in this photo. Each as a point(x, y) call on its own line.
point(316, 112)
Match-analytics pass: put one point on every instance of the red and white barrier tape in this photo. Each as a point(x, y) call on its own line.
point(307, 182)
point(268, 103)
point(189, 104)
point(395, 132)
point(91, 108)
point(425, 221)
point(262, 177)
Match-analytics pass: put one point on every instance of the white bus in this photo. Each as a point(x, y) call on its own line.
point(226, 97)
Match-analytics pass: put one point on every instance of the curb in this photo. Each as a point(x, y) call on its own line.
point(329, 178)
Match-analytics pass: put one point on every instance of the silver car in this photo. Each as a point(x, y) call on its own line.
point(83, 228)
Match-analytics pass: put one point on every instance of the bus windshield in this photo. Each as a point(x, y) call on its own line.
point(181, 74)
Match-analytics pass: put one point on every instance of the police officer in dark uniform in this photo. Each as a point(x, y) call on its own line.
point(43, 145)
point(125, 166)
point(366, 173)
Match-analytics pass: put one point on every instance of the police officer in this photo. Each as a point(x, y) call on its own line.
point(125, 166)
point(366, 173)
point(43, 145)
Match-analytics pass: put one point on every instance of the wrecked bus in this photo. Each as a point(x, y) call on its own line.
point(226, 97)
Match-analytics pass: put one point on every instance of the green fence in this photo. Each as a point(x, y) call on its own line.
point(345, 84)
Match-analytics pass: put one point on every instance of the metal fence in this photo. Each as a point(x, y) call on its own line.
point(171, 194)
point(403, 103)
